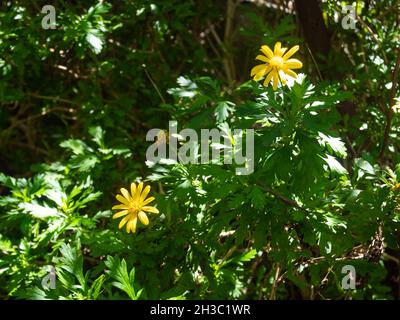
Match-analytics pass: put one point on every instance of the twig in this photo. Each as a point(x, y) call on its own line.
point(216, 36)
point(325, 279)
point(222, 45)
point(389, 257)
point(376, 39)
point(281, 197)
point(315, 62)
point(25, 145)
point(154, 84)
point(55, 99)
point(71, 72)
point(18, 122)
point(227, 255)
point(226, 234)
point(213, 48)
point(272, 295)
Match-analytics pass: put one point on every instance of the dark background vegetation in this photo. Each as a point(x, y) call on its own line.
point(76, 103)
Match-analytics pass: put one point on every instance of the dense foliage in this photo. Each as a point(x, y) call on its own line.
point(78, 100)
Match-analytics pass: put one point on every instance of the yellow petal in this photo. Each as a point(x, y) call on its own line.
point(144, 193)
point(277, 49)
point(268, 79)
point(262, 73)
point(120, 206)
point(150, 209)
point(147, 201)
point(131, 225)
point(259, 75)
point(282, 76)
point(123, 200)
point(143, 218)
point(120, 214)
point(257, 69)
point(291, 52)
point(123, 221)
point(125, 193)
point(275, 79)
point(293, 64)
point(262, 58)
point(290, 73)
point(138, 192)
point(133, 189)
point(267, 51)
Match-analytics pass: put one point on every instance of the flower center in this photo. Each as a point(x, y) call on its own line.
point(276, 62)
point(135, 207)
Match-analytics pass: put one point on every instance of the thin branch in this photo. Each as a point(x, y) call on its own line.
point(221, 44)
point(387, 256)
point(227, 255)
point(324, 281)
point(55, 99)
point(376, 39)
point(71, 72)
point(25, 145)
point(315, 63)
point(226, 234)
point(272, 295)
point(214, 49)
point(281, 197)
point(154, 85)
point(19, 122)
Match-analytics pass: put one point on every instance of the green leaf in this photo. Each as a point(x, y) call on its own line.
point(260, 234)
point(57, 196)
point(72, 262)
point(95, 289)
point(257, 198)
point(95, 41)
point(335, 145)
point(78, 147)
point(36, 293)
point(244, 257)
point(335, 165)
point(39, 211)
point(7, 181)
point(98, 135)
point(187, 89)
point(364, 166)
point(98, 9)
point(334, 222)
point(84, 163)
point(90, 197)
point(118, 271)
point(222, 110)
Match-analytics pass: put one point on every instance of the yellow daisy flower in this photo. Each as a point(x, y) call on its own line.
point(277, 65)
point(395, 187)
point(134, 206)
